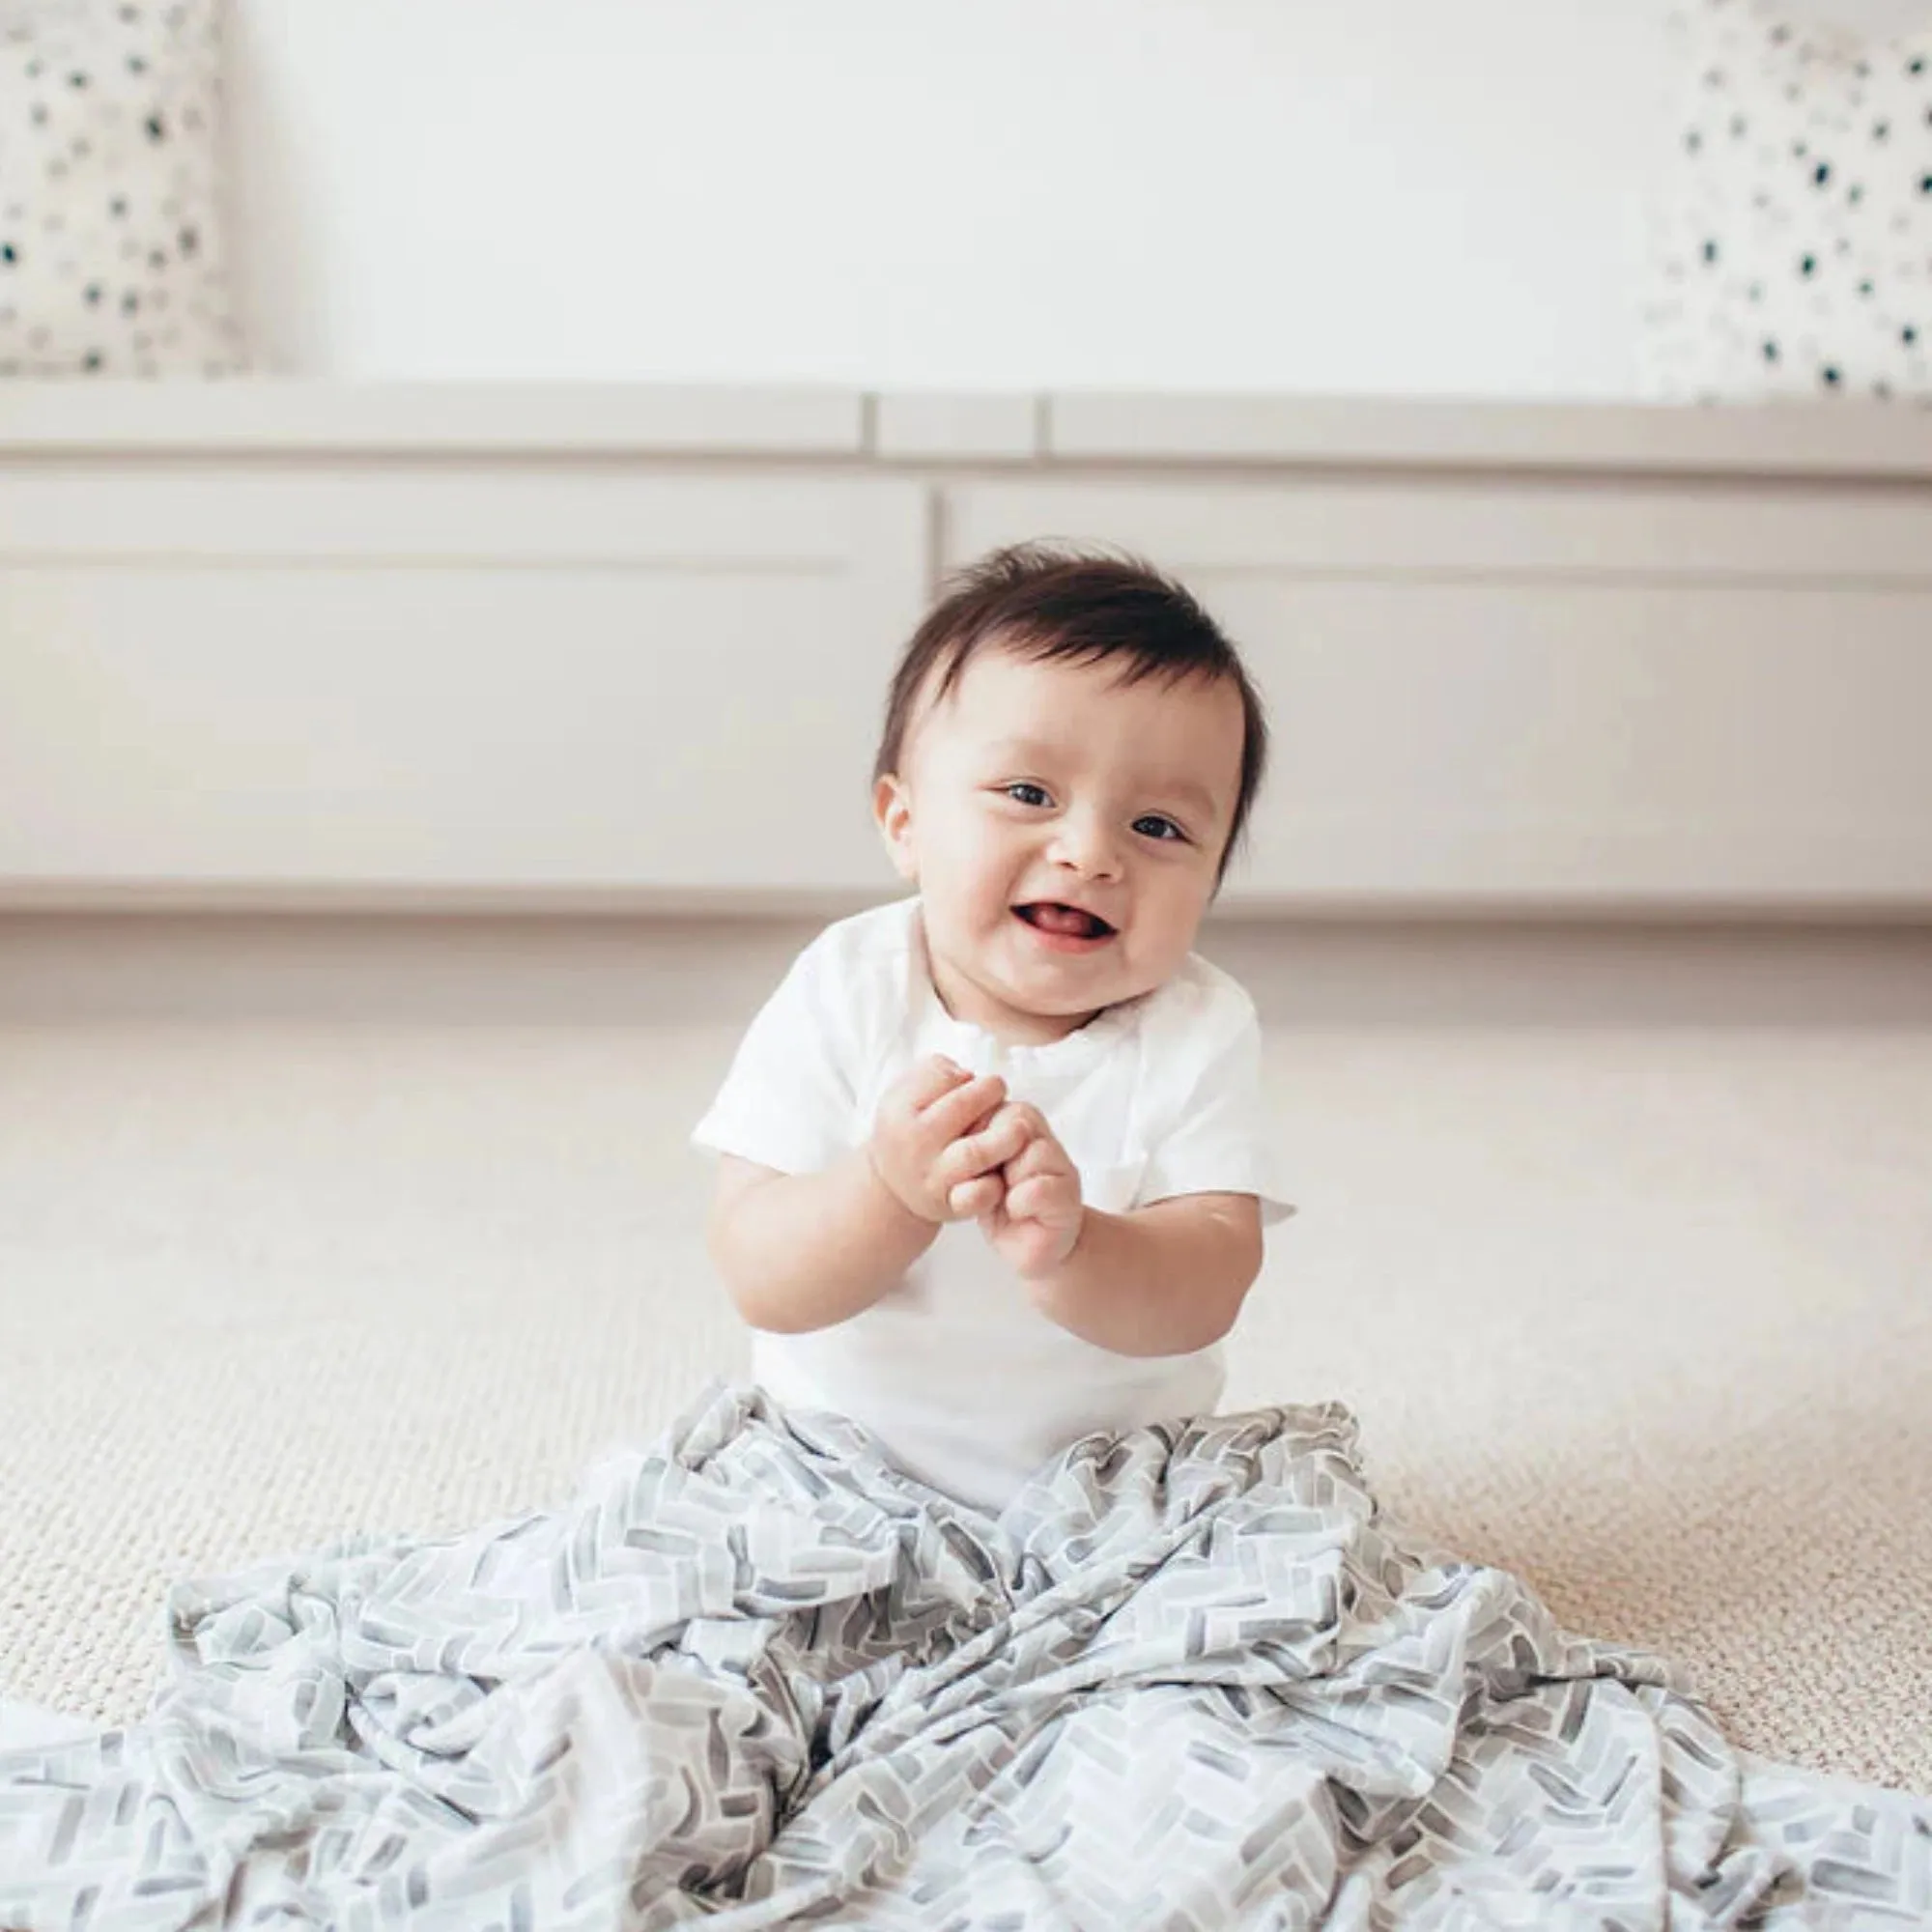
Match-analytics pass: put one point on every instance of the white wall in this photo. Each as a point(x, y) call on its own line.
point(1418, 197)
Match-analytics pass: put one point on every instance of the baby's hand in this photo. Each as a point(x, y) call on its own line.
point(937, 1144)
point(1034, 1226)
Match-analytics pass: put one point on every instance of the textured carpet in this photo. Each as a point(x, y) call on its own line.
point(1643, 1313)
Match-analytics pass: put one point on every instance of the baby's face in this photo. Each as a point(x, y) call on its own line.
point(1035, 786)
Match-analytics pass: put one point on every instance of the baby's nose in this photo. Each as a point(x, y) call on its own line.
point(1089, 845)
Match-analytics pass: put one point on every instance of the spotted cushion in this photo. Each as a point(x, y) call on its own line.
point(1791, 238)
point(111, 255)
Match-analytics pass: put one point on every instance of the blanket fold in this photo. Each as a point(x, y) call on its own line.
point(752, 1675)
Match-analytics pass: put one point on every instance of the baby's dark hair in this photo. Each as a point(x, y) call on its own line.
point(1054, 601)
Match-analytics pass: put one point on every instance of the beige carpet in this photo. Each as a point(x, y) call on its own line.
point(1642, 1310)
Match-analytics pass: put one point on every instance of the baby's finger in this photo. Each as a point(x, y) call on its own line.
point(995, 1143)
point(1030, 1197)
point(971, 1198)
point(964, 1106)
point(1039, 1156)
point(932, 1078)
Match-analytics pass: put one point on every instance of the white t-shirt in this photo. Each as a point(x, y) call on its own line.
point(964, 1384)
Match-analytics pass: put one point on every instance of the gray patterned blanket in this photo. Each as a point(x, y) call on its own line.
point(1192, 1678)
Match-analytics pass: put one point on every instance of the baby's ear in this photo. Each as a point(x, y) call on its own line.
point(891, 814)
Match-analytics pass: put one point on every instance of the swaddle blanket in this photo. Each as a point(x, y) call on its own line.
point(1191, 1677)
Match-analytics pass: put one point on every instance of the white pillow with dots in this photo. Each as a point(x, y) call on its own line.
point(112, 245)
point(1790, 243)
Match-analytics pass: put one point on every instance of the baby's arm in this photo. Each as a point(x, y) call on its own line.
point(1171, 1277)
point(1163, 1280)
point(804, 1251)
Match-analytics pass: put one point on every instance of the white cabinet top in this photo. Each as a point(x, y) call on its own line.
point(1067, 428)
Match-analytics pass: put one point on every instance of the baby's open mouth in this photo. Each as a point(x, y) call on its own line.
point(1050, 917)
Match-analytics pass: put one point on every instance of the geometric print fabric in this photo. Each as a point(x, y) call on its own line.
point(1192, 1676)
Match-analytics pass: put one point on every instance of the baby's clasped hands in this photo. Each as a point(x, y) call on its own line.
point(934, 1143)
point(950, 1148)
point(1035, 1222)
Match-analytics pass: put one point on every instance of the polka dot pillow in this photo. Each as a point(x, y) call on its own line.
point(110, 237)
point(1791, 244)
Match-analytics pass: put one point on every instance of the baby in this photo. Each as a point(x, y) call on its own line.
point(992, 1170)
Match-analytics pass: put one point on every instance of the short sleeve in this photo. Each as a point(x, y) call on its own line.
point(1215, 1140)
point(788, 1100)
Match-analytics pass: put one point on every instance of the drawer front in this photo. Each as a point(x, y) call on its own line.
point(346, 678)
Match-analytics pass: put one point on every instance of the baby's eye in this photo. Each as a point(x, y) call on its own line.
point(1171, 832)
point(1012, 791)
